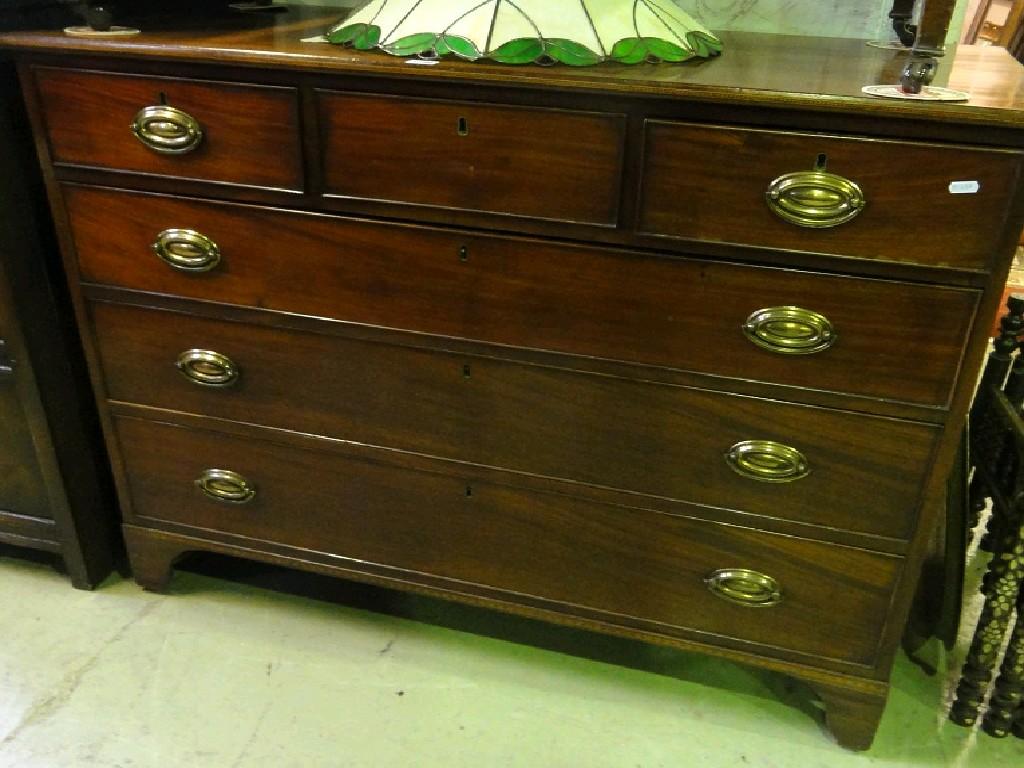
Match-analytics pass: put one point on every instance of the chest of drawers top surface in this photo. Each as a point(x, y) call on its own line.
point(821, 74)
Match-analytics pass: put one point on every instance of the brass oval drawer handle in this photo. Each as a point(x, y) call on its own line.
point(225, 485)
point(744, 587)
point(187, 250)
point(816, 199)
point(207, 368)
point(767, 461)
point(167, 130)
point(789, 330)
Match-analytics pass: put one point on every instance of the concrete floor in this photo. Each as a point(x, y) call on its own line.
point(226, 672)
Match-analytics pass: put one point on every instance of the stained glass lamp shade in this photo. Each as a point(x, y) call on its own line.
point(575, 32)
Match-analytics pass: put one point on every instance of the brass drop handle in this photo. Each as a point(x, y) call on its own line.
point(187, 250)
point(767, 461)
point(789, 330)
point(744, 587)
point(225, 485)
point(816, 199)
point(207, 368)
point(167, 130)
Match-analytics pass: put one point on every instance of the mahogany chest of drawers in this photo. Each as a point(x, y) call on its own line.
point(656, 351)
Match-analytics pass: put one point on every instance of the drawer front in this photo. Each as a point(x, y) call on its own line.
point(710, 184)
point(249, 133)
point(539, 163)
point(674, 313)
point(632, 566)
point(865, 473)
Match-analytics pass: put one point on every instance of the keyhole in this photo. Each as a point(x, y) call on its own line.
point(163, 99)
point(822, 162)
point(466, 373)
point(463, 253)
point(463, 127)
point(469, 490)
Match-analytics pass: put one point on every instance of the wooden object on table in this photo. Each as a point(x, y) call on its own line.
point(933, 26)
point(1012, 37)
point(563, 343)
point(975, 24)
point(1009, 36)
point(52, 463)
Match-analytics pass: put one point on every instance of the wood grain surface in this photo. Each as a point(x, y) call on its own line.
point(623, 563)
point(600, 430)
point(542, 163)
point(677, 313)
point(379, 354)
point(758, 70)
point(709, 183)
point(250, 133)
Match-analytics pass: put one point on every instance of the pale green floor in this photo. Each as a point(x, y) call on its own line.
point(221, 673)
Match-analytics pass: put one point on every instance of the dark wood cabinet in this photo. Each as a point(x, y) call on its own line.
point(566, 343)
point(55, 494)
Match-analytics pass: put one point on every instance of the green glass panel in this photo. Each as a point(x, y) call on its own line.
point(570, 52)
point(665, 50)
point(704, 45)
point(422, 42)
point(629, 51)
point(460, 46)
point(345, 34)
point(361, 36)
point(521, 51)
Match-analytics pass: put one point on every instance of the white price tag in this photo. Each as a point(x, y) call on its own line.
point(964, 187)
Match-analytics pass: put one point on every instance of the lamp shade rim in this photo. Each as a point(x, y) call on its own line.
point(623, 31)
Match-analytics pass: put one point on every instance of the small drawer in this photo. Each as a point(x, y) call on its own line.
point(539, 163)
point(812, 465)
point(674, 313)
point(857, 197)
point(668, 574)
point(190, 129)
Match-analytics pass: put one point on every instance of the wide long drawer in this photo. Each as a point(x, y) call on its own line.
point(858, 473)
point(628, 566)
point(880, 200)
point(192, 129)
point(723, 319)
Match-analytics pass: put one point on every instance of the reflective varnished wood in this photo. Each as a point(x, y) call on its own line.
point(542, 336)
point(821, 74)
point(663, 441)
point(249, 133)
point(671, 313)
point(699, 181)
point(646, 568)
point(542, 163)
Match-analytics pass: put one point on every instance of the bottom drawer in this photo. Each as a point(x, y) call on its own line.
point(628, 566)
